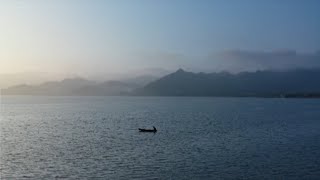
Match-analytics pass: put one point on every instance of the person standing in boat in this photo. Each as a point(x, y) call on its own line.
point(154, 128)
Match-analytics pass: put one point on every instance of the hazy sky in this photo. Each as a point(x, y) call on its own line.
point(88, 37)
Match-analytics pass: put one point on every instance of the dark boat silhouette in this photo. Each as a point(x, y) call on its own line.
point(148, 130)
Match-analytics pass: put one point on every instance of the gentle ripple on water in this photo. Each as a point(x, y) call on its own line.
point(198, 138)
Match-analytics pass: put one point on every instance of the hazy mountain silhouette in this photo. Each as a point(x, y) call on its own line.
point(106, 89)
point(141, 80)
point(260, 83)
point(75, 86)
point(12, 79)
point(181, 83)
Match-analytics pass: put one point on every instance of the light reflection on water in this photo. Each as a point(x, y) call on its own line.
point(197, 138)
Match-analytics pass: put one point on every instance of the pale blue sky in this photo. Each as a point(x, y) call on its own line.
point(86, 37)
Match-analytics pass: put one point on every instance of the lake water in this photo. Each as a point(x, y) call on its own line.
point(197, 138)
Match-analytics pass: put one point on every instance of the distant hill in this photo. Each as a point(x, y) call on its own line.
point(12, 79)
point(140, 80)
point(260, 83)
point(294, 83)
point(72, 87)
point(109, 88)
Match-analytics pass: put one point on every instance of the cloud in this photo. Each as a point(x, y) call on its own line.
point(239, 60)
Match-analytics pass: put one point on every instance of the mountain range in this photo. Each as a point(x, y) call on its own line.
point(73, 87)
point(291, 83)
point(259, 83)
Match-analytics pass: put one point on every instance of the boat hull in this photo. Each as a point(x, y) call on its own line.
point(147, 130)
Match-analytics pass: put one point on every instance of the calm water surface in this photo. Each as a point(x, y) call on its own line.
point(197, 138)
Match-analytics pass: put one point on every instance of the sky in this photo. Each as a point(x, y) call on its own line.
point(92, 37)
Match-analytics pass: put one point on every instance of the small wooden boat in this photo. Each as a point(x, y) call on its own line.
point(148, 130)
